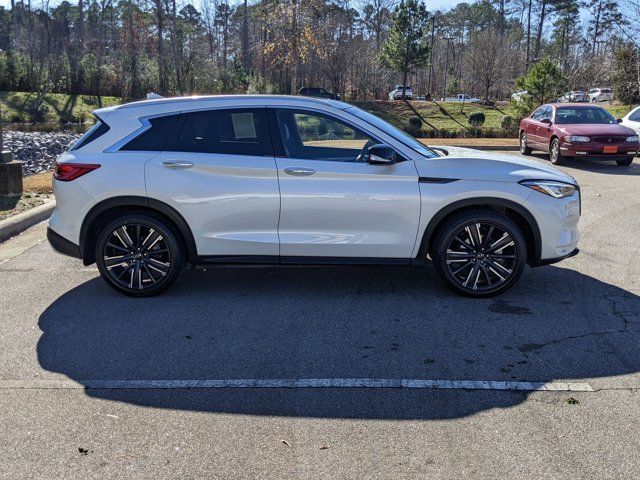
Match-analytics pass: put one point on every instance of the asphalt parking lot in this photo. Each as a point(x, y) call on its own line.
point(575, 323)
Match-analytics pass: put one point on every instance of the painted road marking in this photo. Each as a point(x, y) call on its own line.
point(297, 383)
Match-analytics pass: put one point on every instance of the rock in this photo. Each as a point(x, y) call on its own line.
point(37, 150)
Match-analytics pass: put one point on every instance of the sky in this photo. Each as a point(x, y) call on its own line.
point(432, 4)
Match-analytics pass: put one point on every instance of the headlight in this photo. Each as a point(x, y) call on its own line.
point(551, 188)
point(576, 138)
point(633, 139)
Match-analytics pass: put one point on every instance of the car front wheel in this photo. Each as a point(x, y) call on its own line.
point(138, 254)
point(479, 253)
point(524, 149)
point(554, 152)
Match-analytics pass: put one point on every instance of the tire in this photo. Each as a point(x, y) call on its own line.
point(139, 255)
point(524, 149)
point(626, 162)
point(554, 152)
point(479, 271)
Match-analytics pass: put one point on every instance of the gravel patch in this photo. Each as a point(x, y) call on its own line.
point(37, 150)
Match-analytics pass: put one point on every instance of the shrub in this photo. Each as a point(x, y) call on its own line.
point(415, 122)
point(509, 124)
point(476, 119)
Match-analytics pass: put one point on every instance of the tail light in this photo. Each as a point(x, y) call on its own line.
point(65, 172)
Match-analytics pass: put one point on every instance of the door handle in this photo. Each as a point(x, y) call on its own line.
point(177, 164)
point(299, 171)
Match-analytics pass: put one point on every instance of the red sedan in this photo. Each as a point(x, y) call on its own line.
point(577, 130)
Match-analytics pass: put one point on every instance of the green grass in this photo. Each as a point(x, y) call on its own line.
point(450, 119)
point(21, 107)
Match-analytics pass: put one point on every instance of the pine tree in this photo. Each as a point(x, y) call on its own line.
point(406, 47)
point(543, 82)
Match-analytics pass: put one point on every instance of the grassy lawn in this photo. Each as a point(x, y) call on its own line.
point(21, 107)
point(450, 119)
point(439, 120)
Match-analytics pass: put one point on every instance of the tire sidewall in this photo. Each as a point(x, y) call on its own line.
point(169, 236)
point(451, 228)
point(555, 145)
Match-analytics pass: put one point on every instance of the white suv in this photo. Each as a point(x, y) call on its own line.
point(160, 184)
point(600, 95)
point(396, 93)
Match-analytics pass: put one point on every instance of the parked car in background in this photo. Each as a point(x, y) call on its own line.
point(577, 130)
point(519, 95)
point(632, 120)
point(461, 97)
point(396, 93)
point(574, 96)
point(251, 179)
point(600, 95)
point(318, 93)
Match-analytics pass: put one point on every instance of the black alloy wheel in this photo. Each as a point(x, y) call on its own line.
point(139, 255)
point(480, 254)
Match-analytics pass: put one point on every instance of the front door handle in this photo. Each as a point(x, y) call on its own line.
point(177, 164)
point(299, 171)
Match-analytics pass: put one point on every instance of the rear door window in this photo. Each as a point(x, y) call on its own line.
point(223, 131)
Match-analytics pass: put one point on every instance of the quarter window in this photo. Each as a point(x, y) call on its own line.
point(154, 138)
point(314, 136)
point(635, 116)
point(233, 132)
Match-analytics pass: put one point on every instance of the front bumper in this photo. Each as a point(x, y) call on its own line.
point(62, 245)
point(596, 150)
point(557, 220)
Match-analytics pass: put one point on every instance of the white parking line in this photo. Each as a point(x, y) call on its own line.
point(297, 383)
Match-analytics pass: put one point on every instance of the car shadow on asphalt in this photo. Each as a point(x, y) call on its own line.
point(595, 166)
point(386, 322)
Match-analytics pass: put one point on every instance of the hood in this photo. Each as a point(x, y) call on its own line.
point(469, 164)
point(594, 129)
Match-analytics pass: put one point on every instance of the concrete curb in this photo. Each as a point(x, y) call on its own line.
point(496, 148)
point(18, 223)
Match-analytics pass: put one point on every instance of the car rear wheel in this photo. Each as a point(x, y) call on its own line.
point(139, 255)
point(626, 162)
point(479, 253)
point(554, 152)
point(524, 149)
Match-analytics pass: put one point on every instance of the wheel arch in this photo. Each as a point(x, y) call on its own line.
point(520, 215)
point(109, 209)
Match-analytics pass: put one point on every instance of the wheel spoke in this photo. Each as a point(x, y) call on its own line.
point(113, 245)
point(473, 273)
point(471, 239)
point(469, 263)
point(459, 256)
point(498, 266)
point(463, 244)
point(503, 242)
point(487, 238)
point(124, 237)
point(486, 275)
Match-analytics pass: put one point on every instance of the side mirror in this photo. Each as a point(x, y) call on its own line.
point(381, 154)
point(546, 121)
point(619, 120)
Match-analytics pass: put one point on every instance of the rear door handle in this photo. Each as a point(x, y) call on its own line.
point(299, 171)
point(177, 164)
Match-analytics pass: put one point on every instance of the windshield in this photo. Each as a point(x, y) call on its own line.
point(396, 133)
point(565, 115)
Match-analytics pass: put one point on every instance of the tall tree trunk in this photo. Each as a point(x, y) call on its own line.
point(294, 46)
point(245, 37)
point(528, 60)
point(543, 14)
